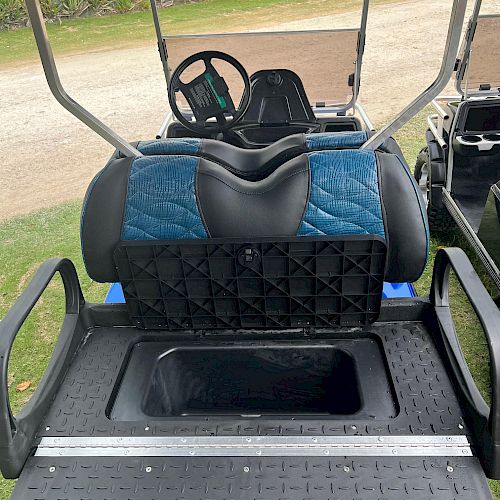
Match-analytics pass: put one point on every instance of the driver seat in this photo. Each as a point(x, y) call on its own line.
point(256, 164)
point(181, 197)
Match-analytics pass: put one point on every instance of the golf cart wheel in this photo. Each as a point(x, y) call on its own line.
point(440, 221)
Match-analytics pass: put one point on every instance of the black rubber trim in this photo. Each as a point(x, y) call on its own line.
point(308, 195)
point(383, 210)
point(17, 433)
point(484, 421)
point(198, 204)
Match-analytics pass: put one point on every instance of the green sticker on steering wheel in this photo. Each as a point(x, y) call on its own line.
point(210, 79)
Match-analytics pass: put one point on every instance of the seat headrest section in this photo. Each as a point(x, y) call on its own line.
point(339, 192)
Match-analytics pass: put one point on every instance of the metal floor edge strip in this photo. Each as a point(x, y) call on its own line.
point(208, 446)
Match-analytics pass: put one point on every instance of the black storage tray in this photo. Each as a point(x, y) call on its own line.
point(262, 283)
point(329, 379)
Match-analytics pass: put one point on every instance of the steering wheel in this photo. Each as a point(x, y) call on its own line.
point(208, 94)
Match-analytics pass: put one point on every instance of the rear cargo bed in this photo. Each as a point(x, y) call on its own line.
point(418, 450)
point(424, 394)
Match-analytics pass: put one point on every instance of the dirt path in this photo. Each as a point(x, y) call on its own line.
point(49, 157)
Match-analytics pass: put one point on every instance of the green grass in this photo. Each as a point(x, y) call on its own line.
point(135, 28)
point(25, 242)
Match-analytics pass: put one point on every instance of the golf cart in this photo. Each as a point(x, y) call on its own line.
point(253, 356)
point(459, 170)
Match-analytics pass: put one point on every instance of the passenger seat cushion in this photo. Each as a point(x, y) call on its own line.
point(335, 140)
point(177, 146)
point(344, 195)
point(332, 193)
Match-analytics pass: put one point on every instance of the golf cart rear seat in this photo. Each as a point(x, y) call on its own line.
point(330, 193)
point(132, 406)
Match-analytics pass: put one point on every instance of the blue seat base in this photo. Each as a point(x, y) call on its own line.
point(391, 291)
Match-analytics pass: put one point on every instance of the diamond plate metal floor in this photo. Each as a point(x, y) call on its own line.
point(226, 478)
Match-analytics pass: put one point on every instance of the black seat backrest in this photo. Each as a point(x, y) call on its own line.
point(333, 193)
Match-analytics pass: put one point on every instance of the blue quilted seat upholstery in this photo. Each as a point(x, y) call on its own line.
point(344, 195)
point(178, 146)
point(161, 200)
point(333, 140)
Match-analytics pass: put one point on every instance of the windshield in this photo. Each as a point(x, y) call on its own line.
point(325, 60)
point(482, 62)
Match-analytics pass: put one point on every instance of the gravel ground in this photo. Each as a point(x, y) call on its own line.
point(49, 157)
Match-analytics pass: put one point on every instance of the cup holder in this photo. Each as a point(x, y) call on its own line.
point(492, 137)
point(473, 139)
point(477, 144)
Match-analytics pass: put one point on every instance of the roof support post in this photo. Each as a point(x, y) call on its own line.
point(55, 85)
